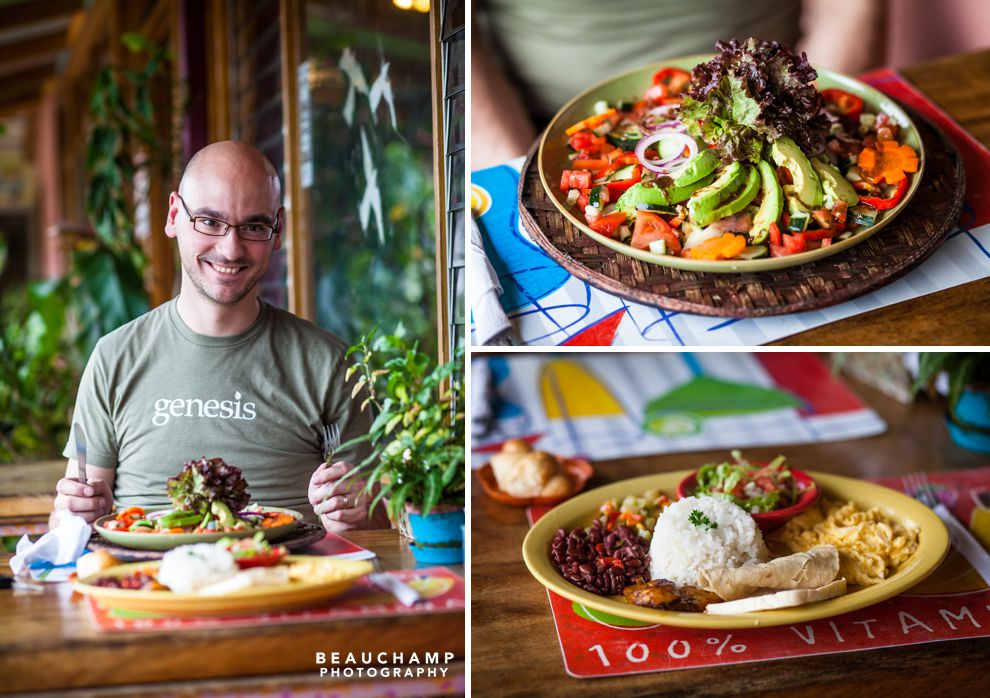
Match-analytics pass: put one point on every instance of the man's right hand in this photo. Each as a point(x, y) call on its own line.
point(90, 501)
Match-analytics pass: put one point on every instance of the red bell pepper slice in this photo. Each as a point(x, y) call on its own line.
point(620, 185)
point(604, 562)
point(847, 104)
point(883, 204)
point(587, 142)
point(674, 80)
point(607, 225)
point(819, 234)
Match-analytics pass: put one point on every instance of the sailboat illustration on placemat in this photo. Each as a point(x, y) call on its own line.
point(680, 411)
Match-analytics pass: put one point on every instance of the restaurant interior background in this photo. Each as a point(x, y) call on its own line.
point(359, 103)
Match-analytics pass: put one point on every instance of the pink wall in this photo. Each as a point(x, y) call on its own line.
point(922, 30)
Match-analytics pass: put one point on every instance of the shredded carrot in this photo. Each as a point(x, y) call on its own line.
point(591, 122)
point(725, 247)
point(888, 161)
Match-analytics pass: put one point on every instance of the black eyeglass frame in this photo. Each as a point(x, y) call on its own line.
point(272, 229)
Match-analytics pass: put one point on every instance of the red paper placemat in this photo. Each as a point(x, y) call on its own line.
point(444, 592)
point(953, 603)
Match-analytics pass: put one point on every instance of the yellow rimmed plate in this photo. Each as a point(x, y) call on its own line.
point(933, 544)
point(296, 594)
point(553, 151)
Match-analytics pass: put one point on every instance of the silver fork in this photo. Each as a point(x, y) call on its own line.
point(920, 487)
point(331, 440)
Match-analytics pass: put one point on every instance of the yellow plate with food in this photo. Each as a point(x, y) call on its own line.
point(860, 544)
point(213, 587)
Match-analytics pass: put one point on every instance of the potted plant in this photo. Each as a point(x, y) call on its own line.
point(416, 462)
point(968, 415)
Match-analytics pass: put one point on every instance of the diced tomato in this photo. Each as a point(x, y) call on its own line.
point(818, 234)
point(587, 142)
point(618, 186)
point(565, 180)
point(826, 242)
point(766, 484)
point(792, 244)
point(649, 228)
point(611, 562)
point(823, 217)
point(583, 199)
point(607, 225)
point(775, 234)
point(580, 179)
point(839, 212)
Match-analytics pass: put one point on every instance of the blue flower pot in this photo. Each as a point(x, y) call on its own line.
point(971, 426)
point(438, 538)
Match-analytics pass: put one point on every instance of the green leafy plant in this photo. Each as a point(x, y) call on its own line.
point(107, 274)
point(417, 437)
point(964, 369)
point(39, 371)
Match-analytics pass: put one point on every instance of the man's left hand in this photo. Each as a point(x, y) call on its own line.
point(342, 506)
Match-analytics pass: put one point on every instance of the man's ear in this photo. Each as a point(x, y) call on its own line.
point(277, 245)
point(173, 211)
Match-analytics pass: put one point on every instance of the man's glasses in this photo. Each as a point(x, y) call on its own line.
point(207, 225)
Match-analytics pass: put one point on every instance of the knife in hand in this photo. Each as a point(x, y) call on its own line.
point(80, 452)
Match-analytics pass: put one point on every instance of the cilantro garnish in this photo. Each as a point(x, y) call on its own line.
point(698, 518)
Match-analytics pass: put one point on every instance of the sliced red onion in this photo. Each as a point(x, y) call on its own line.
point(663, 109)
point(664, 166)
point(158, 514)
point(245, 514)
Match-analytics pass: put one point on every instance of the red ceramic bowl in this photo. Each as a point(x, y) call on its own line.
point(808, 495)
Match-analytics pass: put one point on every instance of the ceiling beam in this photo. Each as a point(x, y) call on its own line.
point(26, 13)
point(36, 46)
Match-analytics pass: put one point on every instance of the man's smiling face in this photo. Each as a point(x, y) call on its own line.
point(234, 186)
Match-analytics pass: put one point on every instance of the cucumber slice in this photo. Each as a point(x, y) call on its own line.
point(754, 252)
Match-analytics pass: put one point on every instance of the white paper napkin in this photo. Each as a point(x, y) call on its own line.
point(491, 325)
point(52, 557)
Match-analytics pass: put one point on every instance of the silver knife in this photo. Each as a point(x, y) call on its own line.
point(406, 595)
point(965, 543)
point(80, 452)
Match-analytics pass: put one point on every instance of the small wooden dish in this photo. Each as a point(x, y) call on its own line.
point(579, 471)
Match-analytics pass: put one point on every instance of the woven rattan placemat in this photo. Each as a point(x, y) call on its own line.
point(893, 251)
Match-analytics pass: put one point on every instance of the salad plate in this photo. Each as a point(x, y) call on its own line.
point(933, 545)
point(254, 599)
point(552, 159)
point(167, 541)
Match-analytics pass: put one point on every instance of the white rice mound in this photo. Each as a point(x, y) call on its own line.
point(186, 569)
point(680, 550)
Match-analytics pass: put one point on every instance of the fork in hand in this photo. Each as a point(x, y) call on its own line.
point(331, 441)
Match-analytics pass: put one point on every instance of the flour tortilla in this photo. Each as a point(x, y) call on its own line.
point(779, 599)
point(806, 570)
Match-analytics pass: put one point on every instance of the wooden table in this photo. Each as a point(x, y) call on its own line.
point(48, 644)
point(960, 85)
point(514, 643)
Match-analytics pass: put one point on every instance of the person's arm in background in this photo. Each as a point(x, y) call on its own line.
point(847, 36)
point(90, 501)
point(500, 127)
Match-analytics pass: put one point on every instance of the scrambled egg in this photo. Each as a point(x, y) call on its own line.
point(870, 545)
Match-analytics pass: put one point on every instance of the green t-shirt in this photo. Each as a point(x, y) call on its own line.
point(155, 395)
point(554, 49)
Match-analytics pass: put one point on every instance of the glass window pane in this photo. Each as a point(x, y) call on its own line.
point(455, 122)
point(372, 217)
point(455, 180)
point(455, 226)
point(458, 287)
point(453, 17)
point(454, 51)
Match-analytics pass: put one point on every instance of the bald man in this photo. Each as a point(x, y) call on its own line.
point(218, 372)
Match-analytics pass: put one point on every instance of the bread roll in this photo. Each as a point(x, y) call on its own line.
point(557, 486)
point(516, 446)
point(94, 563)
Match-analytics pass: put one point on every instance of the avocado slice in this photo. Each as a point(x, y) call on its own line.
point(772, 205)
point(837, 187)
point(808, 187)
point(703, 202)
point(647, 193)
point(701, 165)
point(748, 192)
